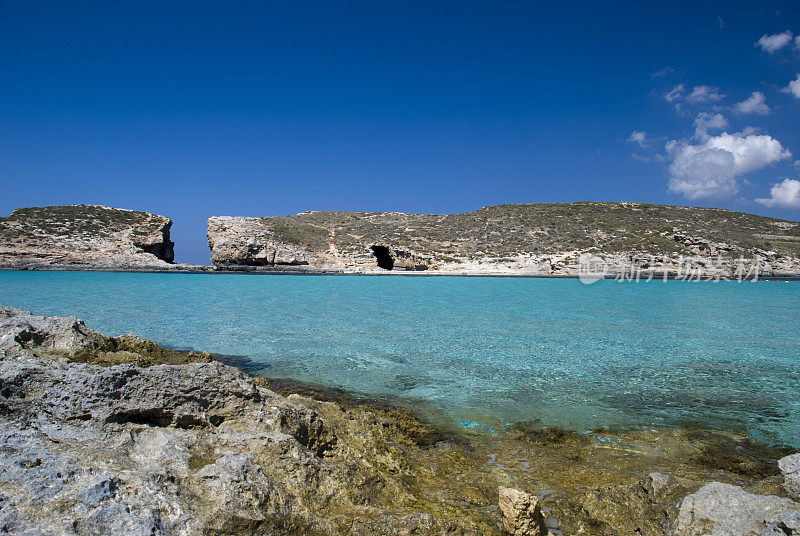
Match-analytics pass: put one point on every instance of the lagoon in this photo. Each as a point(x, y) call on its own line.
point(485, 351)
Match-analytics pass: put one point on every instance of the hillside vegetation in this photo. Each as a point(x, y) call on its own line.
point(507, 230)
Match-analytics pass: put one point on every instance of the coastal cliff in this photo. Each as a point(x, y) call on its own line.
point(116, 435)
point(524, 239)
point(85, 236)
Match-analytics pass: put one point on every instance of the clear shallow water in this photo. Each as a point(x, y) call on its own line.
point(485, 350)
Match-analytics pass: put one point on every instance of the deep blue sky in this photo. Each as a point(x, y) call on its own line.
point(194, 109)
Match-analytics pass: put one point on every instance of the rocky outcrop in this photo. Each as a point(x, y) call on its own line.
point(196, 448)
point(790, 467)
point(250, 242)
point(719, 509)
point(623, 239)
point(522, 513)
point(85, 236)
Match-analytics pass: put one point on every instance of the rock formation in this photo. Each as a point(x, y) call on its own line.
point(194, 448)
point(522, 513)
point(248, 242)
point(534, 239)
point(790, 467)
point(85, 236)
point(719, 509)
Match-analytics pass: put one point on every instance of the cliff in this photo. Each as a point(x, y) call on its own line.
point(536, 239)
point(115, 435)
point(84, 236)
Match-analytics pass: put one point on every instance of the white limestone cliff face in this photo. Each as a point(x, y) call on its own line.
point(250, 242)
point(85, 236)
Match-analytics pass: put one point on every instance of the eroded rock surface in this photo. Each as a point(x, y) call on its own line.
point(85, 236)
point(522, 513)
point(719, 509)
point(169, 449)
point(790, 467)
point(249, 242)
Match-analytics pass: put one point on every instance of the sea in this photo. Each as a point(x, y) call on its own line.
point(485, 352)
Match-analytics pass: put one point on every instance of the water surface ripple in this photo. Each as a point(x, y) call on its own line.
point(485, 350)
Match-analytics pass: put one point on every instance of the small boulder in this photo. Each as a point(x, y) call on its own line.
point(790, 467)
point(522, 513)
point(723, 509)
point(657, 483)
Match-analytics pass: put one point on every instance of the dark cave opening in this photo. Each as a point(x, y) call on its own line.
point(383, 256)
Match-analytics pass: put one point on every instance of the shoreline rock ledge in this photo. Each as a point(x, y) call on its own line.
point(115, 435)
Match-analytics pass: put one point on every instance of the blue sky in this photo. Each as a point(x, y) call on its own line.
point(196, 109)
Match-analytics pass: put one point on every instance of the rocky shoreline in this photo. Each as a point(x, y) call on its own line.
point(103, 435)
point(186, 268)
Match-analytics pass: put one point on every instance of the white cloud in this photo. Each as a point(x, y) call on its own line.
point(675, 93)
point(784, 194)
point(712, 167)
point(704, 94)
point(797, 41)
point(706, 121)
point(756, 104)
point(793, 87)
point(638, 137)
point(661, 73)
point(774, 42)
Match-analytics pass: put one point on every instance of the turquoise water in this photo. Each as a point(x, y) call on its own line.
point(484, 350)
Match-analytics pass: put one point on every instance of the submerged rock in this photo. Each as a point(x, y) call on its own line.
point(719, 509)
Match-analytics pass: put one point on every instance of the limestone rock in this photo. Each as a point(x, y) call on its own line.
point(785, 525)
point(645, 508)
point(195, 448)
point(251, 242)
point(531, 239)
point(522, 513)
point(719, 509)
point(85, 236)
point(21, 330)
point(790, 467)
